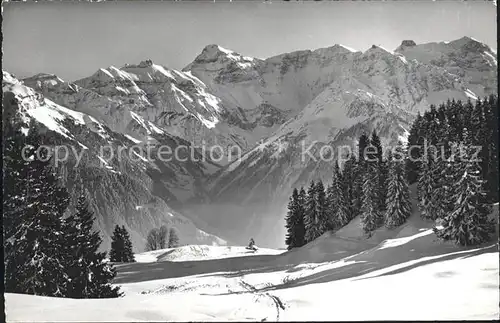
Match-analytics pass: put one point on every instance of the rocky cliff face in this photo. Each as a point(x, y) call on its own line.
point(272, 110)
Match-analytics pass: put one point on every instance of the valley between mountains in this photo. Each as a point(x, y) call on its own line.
point(261, 112)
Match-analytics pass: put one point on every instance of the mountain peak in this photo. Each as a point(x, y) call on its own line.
point(146, 63)
point(45, 79)
point(378, 49)
point(469, 43)
point(214, 53)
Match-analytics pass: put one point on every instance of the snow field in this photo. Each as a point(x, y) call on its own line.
point(410, 276)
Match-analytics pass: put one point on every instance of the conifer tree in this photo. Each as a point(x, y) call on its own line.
point(433, 125)
point(490, 146)
point(89, 275)
point(426, 189)
point(412, 165)
point(117, 245)
point(321, 207)
point(359, 174)
point(292, 209)
point(121, 246)
point(337, 205)
point(348, 185)
point(128, 254)
point(301, 229)
point(398, 196)
point(363, 142)
point(311, 216)
point(376, 143)
point(381, 188)
point(357, 190)
point(444, 176)
point(468, 222)
point(294, 222)
point(34, 256)
point(14, 180)
point(331, 205)
point(371, 218)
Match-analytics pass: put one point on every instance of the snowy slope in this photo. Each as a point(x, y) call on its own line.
point(459, 289)
point(409, 274)
point(201, 252)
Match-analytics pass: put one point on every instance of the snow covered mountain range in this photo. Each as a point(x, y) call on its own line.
point(265, 108)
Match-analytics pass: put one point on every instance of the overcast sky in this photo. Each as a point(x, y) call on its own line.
point(74, 39)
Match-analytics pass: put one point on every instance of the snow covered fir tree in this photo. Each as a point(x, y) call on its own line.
point(295, 220)
point(398, 203)
point(468, 223)
point(89, 274)
point(33, 231)
point(46, 253)
point(457, 181)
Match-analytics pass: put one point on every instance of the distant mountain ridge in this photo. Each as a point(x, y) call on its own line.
point(269, 108)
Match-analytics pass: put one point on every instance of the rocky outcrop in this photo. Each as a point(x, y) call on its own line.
point(408, 43)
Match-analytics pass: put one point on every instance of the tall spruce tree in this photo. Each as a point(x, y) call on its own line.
point(311, 215)
point(331, 205)
point(128, 252)
point(34, 252)
point(490, 145)
point(415, 140)
point(382, 170)
point(348, 186)
point(14, 180)
point(363, 142)
point(468, 222)
point(377, 144)
point(289, 219)
point(371, 218)
point(337, 205)
point(117, 245)
point(89, 275)
point(294, 222)
point(321, 207)
point(426, 189)
point(398, 196)
point(444, 176)
point(359, 175)
point(301, 229)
